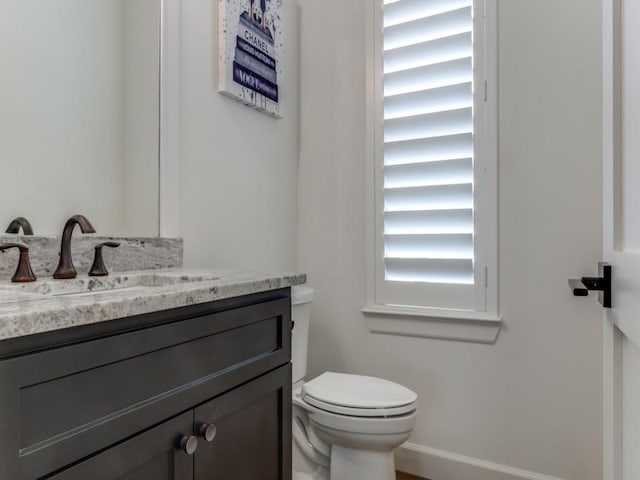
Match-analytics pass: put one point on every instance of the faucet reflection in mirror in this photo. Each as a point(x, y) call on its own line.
point(18, 223)
point(65, 266)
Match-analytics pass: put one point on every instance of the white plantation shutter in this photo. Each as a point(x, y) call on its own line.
point(426, 221)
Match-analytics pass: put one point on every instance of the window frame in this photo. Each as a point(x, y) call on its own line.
point(479, 321)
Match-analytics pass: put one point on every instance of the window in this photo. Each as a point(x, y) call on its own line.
point(434, 194)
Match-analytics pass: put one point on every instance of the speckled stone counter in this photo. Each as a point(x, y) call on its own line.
point(50, 305)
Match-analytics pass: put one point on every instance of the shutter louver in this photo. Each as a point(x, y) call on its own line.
point(428, 141)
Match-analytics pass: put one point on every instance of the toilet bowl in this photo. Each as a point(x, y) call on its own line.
point(345, 427)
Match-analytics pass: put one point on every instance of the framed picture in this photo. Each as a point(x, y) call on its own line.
point(250, 52)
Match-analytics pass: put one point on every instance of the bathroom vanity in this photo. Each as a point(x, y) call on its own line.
point(164, 378)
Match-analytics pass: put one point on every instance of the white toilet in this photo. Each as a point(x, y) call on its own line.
point(345, 427)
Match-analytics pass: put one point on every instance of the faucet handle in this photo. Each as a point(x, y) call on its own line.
point(98, 269)
point(23, 272)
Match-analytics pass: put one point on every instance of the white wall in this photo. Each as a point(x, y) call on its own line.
point(238, 167)
point(532, 401)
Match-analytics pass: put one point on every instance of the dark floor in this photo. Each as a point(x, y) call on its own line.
point(406, 476)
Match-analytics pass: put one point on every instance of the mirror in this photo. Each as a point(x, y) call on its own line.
point(79, 114)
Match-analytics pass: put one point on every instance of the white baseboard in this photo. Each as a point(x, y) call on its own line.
point(441, 465)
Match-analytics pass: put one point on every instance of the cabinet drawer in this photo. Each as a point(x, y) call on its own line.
point(69, 402)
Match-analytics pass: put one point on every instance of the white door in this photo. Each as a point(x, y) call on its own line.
point(621, 126)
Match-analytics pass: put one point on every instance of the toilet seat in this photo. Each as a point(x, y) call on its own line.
point(358, 395)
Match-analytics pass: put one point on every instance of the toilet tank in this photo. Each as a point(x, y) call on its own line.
point(301, 298)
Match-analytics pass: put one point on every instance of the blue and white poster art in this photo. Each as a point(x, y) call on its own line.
point(250, 51)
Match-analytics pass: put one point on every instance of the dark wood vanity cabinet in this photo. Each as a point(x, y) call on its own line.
point(195, 393)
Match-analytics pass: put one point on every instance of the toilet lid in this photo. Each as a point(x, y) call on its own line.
point(357, 395)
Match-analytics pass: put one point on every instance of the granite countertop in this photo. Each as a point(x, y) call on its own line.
point(47, 305)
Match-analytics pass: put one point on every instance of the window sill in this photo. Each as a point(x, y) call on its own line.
point(440, 324)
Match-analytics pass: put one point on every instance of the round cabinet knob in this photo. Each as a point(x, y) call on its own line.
point(208, 431)
point(189, 444)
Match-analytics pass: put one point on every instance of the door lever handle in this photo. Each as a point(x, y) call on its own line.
point(601, 284)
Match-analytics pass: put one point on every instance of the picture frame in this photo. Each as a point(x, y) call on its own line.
point(250, 53)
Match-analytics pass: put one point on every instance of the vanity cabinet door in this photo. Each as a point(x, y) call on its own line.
point(152, 455)
point(249, 431)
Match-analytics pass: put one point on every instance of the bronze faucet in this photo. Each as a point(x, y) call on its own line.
point(23, 272)
point(65, 266)
point(16, 223)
